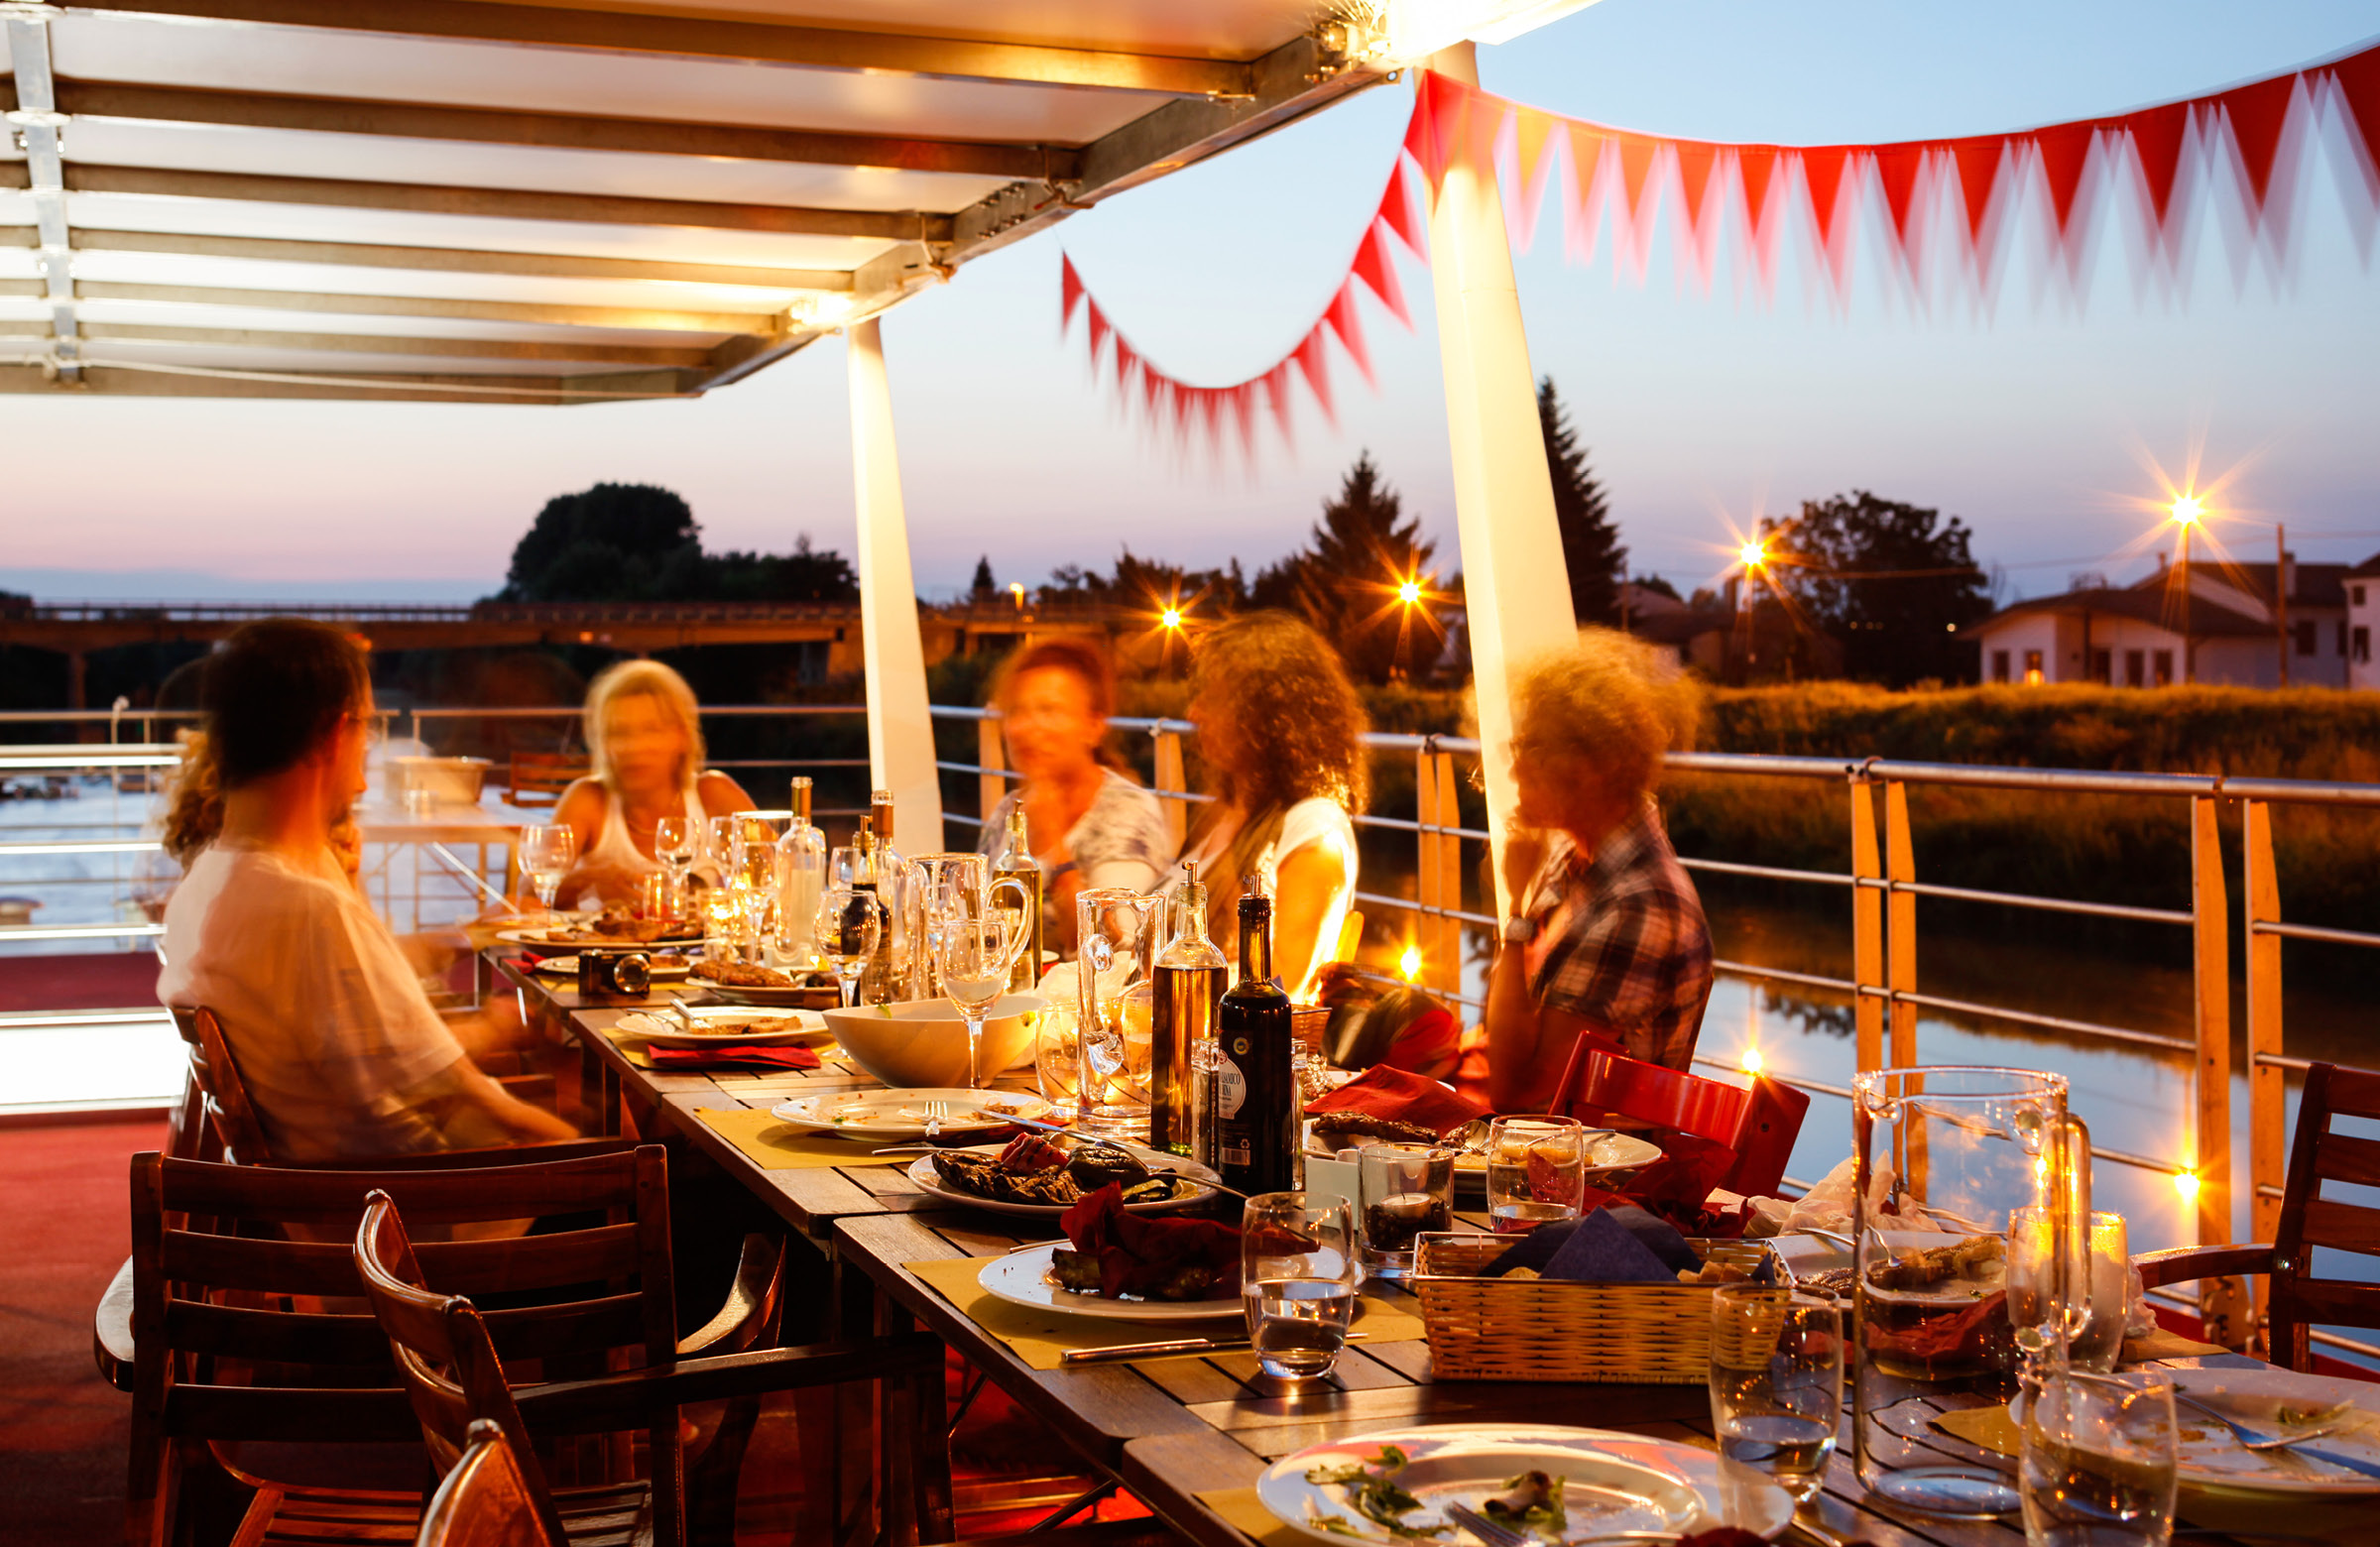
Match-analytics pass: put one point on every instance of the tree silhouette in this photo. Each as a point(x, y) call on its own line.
point(630, 543)
point(1591, 548)
point(985, 587)
point(1892, 581)
point(1344, 582)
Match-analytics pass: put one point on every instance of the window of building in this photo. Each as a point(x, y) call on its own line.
point(2136, 668)
point(2032, 678)
point(2362, 645)
point(2355, 594)
point(2165, 668)
point(2102, 666)
point(1999, 665)
point(2306, 635)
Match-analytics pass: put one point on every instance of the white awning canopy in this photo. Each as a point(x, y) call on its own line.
point(533, 203)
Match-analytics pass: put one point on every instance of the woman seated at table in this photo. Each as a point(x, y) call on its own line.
point(1087, 822)
point(644, 735)
point(1607, 936)
point(1281, 733)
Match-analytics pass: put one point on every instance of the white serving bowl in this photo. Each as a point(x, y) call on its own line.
point(921, 1044)
point(447, 780)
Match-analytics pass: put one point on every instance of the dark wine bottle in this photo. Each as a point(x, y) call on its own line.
point(1189, 984)
point(1256, 1090)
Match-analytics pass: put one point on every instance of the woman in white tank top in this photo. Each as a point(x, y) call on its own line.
point(646, 738)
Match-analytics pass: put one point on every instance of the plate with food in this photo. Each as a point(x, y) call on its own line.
point(660, 966)
point(1612, 1159)
point(2272, 1401)
point(1551, 1485)
point(712, 1026)
point(1034, 1175)
point(607, 930)
point(890, 1117)
point(741, 983)
point(1055, 1276)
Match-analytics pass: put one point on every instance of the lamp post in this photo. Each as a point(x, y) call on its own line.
point(2186, 511)
point(1755, 557)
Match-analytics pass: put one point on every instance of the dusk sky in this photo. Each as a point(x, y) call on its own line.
point(2032, 421)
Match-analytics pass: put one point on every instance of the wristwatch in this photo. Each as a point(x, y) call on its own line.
point(1519, 932)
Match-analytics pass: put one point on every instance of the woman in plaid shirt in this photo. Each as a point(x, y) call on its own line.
point(1608, 938)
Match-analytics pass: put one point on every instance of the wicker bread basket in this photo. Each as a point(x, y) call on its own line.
point(1545, 1329)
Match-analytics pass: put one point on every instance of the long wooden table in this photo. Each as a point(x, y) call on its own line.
point(1177, 1431)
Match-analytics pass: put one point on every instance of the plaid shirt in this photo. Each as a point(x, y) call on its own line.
point(1621, 941)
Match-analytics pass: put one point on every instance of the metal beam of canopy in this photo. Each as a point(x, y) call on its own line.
point(381, 344)
point(710, 38)
point(443, 260)
point(762, 324)
point(552, 131)
point(34, 111)
point(126, 381)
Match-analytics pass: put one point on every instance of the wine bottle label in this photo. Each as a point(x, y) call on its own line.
point(1231, 1085)
point(1236, 1149)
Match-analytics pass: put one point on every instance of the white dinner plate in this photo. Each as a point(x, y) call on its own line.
point(1609, 1156)
point(567, 967)
point(889, 1116)
point(536, 936)
point(1022, 1277)
point(795, 1028)
point(1612, 1481)
point(2211, 1458)
point(923, 1172)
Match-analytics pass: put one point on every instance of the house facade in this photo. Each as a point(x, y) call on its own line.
point(2197, 623)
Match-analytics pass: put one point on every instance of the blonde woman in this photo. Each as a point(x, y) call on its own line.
point(1280, 731)
point(1608, 938)
point(644, 735)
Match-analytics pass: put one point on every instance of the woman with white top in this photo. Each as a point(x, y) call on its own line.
point(644, 734)
point(1280, 731)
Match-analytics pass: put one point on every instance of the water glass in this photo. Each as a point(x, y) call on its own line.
point(650, 895)
point(548, 850)
point(848, 924)
point(1298, 1277)
point(1403, 1190)
point(1776, 1382)
point(2096, 1464)
point(1536, 1172)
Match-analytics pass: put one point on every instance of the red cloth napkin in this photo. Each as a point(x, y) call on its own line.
point(1383, 1091)
point(1676, 1187)
point(1139, 1252)
point(700, 1058)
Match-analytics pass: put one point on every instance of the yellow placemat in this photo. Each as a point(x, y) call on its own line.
point(2161, 1343)
point(777, 1147)
point(632, 1046)
point(1243, 1511)
point(1989, 1427)
point(1040, 1338)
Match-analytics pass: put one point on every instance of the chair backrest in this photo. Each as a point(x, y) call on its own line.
point(1758, 1121)
point(238, 1128)
point(540, 777)
point(2299, 1300)
point(490, 1499)
point(441, 1349)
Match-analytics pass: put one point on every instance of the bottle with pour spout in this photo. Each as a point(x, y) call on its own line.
point(1188, 981)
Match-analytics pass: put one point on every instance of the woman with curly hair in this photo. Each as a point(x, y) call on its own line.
point(1280, 733)
point(1608, 938)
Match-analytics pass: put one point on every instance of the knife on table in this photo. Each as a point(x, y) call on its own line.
point(1116, 1350)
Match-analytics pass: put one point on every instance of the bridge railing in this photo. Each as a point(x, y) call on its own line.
point(1882, 888)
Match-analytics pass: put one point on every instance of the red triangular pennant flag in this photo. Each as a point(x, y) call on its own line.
point(1821, 169)
point(2157, 135)
point(1316, 368)
point(1376, 267)
point(1636, 154)
point(1276, 395)
point(1099, 328)
point(1070, 292)
point(1531, 129)
point(1482, 125)
point(2258, 113)
point(1449, 107)
point(1695, 159)
point(2064, 152)
point(1759, 164)
point(1898, 168)
point(1978, 160)
point(2359, 81)
point(1396, 209)
point(1586, 171)
point(1127, 365)
point(1343, 320)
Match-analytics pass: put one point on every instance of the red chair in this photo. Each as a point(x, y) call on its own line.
point(1759, 1121)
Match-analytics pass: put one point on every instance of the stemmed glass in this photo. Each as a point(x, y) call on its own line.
point(848, 927)
point(721, 836)
point(548, 850)
point(673, 840)
point(976, 953)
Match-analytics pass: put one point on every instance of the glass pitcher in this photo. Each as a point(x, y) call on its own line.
point(1117, 930)
point(1972, 1218)
point(932, 886)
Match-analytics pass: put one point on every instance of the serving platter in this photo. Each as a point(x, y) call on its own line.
point(1025, 1277)
point(717, 1025)
point(891, 1116)
point(923, 1172)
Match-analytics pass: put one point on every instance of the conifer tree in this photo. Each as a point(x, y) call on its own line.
point(1590, 546)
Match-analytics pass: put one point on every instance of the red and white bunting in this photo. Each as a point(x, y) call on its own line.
point(2161, 163)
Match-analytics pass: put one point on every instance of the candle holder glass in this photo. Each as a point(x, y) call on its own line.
point(1402, 1190)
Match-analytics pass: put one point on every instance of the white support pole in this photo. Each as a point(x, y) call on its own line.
point(1516, 588)
point(901, 733)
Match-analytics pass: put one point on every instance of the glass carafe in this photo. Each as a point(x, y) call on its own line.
point(1971, 1219)
point(932, 884)
point(800, 880)
point(1114, 1001)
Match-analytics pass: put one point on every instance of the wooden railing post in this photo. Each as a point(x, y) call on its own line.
point(2222, 1303)
point(1900, 973)
point(1868, 925)
point(1438, 879)
point(1170, 782)
point(992, 756)
point(2268, 1084)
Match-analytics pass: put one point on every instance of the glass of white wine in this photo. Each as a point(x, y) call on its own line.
point(1776, 1382)
point(848, 924)
point(976, 953)
point(548, 850)
point(674, 844)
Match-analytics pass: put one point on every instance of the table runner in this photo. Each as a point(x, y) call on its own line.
point(1040, 1338)
point(779, 1147)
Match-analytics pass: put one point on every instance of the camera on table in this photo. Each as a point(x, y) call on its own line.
point(614, 973)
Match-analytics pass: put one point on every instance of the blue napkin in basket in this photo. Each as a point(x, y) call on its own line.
point(1624, 1246)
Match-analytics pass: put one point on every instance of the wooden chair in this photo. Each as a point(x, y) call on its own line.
point(235, 1335)
point(487, 1499)
point(537, 779)
point(445, 1352)
point(2296, 1300)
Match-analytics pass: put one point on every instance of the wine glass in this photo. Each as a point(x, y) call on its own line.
point(848, 928)
point(976, 953)
point(721, 836)
point(674, 844)
point(548, 850)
